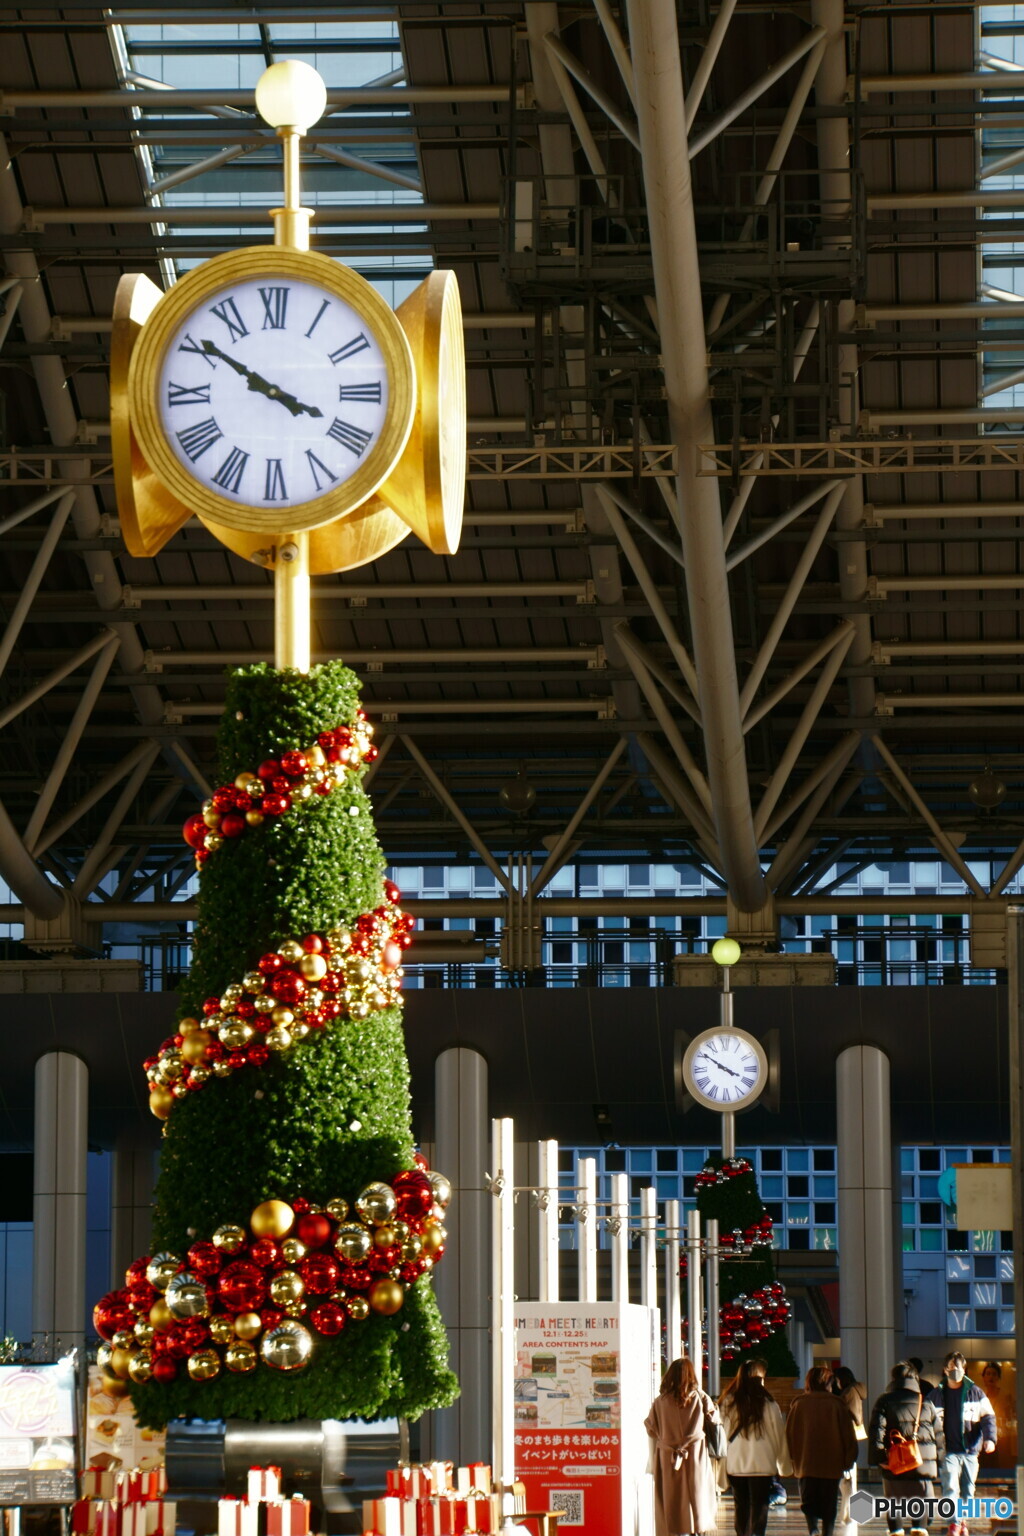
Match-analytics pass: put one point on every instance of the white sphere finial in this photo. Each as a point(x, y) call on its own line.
point(725, 952)
point(291, 94)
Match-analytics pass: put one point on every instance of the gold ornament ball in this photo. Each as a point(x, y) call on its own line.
point(291, 951)
point(287, 1347)
point(161, 1101)
point(401, 1230)
point(386, 1297)
point(292, 1250)
point(213, 842)
point(188, 1026)
point(120, 1363)
point(248, 1325)
point(358, 1308)
point(180, 1090)
point(140, 1366)
point(339, 938)
point(193, 1047)
point(160, 1315)
point(144, 1331)
point(245, 778)
point(222, 1330)
point(222, 1069)
point(252, 981)
point(272, 1218)
point(277, 1039)
point(228, 1238)
point(113, 1386)
point(264, 1003)
point(254, 818)
point(124, 1339)
point(161, 1270)
point(442, 1188)
point(296, 1309)
point(376, 1203)
point(434, 1238)
point(236, 1034)
point(337, 1208)
point(384, 1236)
point(204, 1365)
point(171, 1064)
point(240, 1357)
point(313, 967)
point(201, 1073)
point(353, 1242)
point(283, 1016)
point(286, 1287)
point(103, 1354)
point(300, 1031)
point(412, 1247)
point(231, 995)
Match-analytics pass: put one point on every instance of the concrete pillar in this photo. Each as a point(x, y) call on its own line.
point(131, 1213)
point(866, 1289)
point(58, 1211)
point(462, 1433)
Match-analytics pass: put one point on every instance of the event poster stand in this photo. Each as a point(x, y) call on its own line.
point(586, 1375)
point(38, 1426)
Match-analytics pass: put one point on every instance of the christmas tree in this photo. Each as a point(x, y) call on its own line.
point(294, 1227)
point(754, 1316)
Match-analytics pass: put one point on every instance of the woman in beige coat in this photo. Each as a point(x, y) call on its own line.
point(684, 1474)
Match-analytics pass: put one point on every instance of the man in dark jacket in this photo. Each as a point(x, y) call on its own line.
point(902, 1408)
point(969, 1427)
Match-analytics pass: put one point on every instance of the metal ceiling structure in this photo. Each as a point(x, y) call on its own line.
point(741, 581)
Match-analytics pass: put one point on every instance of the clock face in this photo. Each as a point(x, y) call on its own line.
point(725, 1068)
point(272, 391)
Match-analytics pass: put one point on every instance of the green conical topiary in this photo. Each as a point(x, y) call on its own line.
point(310, 1125)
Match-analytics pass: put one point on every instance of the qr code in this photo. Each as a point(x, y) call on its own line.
point(571, 1501)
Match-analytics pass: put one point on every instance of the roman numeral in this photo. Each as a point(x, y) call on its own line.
point(274, 489)
point(229, 476)
point(352, 438)
point(357, 344)
point(370, 392)
point(713, 1092)
point(184, 394)
point(319, 316)
point(275, 305)
point(198, 437)
point(315, 464)
point(227, 310)
point(190, 345)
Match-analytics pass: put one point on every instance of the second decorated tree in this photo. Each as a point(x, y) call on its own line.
point(295, 1228)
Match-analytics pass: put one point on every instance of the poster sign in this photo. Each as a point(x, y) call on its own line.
point(998, 1380)
point(113, 1440)
point(37, 1433)
point(586, 1375)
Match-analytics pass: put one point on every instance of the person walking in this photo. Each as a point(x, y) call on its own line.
point(685, 1492)
point(969, 1427)
point(853, 1393)
point(904, 1409)
point(822, 1444)
point(757, 1451)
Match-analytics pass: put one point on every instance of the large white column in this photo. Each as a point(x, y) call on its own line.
point(131, 1213)
point(866, 1285)
point(58, 1211)
point(462, 1433)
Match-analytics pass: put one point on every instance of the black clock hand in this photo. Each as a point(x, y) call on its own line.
point(261, 386)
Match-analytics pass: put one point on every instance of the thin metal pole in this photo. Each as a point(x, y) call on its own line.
point(36, 505)
point(69, 744)
point(799, 733)
point(587, 1229)
point(26, 596)
point(754, 92)
point(56, 676)
point(799, 672)
point(648, 1247)
point(597, 94)
point(618, 1227)
point(89, 871)
point(714, 1357)
point(695, 1339)
point(503, 1340)
point(547, 1221)
point(617, 44)
point(708, 58)
point(673, 1288)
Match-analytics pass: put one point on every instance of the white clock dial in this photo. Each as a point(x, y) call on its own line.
point(272, 391)
point(725, 1068)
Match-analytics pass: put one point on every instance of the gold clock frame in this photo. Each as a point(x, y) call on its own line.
point(244, 265)
point(749, 1099)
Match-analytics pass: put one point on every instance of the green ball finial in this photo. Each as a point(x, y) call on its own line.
point(725, 952)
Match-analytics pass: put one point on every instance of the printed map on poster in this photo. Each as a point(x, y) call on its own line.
point(37, 1433)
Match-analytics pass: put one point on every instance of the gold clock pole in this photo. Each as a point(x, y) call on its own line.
point(291, 97)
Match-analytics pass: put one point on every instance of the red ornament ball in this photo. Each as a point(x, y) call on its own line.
point(328, 1318)
point(113, 1314)
point(194, 1334)
point(195, 831)
point(287, 986)
point(232, 825)
point(270, 1317)
point(414, 1194)
point(420, 1161)
point(263, 1252)
point(294, 764)
point(313, 1229)
point(313, 944)
point(241, 1287)
point(165, 1369)
point(300, 1205)
point(274, 804)
point(204, 1260)
point(258, 1055)
point(320, 1273)
point(268, 770)
point(269, 963)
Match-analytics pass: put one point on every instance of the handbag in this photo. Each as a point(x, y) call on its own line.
point(903, 1453)
point(714, 1437)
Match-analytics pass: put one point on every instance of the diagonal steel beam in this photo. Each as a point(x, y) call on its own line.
point(817, 776)
point(657, 67)
point(53, 678)
point(93, 795)
point(66, 751)
point(950, 853)
point(625, 635)
point(450, 804)
point(677, 792)
point(753, 92)
point(799, 672)
point(617, 44)
point(662, 714)
point(798, 736)
point(554, 857)
point(596, 92)
point(26, 597)
point(94, 865)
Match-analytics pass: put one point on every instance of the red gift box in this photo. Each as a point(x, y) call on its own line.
point(161, 1517)
point(480, 1476)
point(135, 1519)
point(84, 1514)
point(108, 1519)
point(128, 1487)
point(97, 1483)
point(288, 1517)
point(232, 1517)
point(383, 1516)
